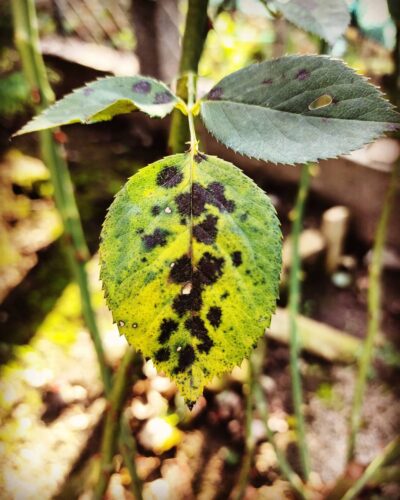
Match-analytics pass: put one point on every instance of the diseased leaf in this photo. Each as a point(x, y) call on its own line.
point(190, 264)
point(296, 109)
point(326, 18)
point(105, 98)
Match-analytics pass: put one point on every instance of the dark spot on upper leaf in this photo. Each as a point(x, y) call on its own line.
point(244, 217)
point(167, 328)
point(225, 295)
point(210, 268)
point(303, 74)
point(169, 177)
point(158, 238)
point(155, 210)
point(236, 258)
point(268, 81)
point(214, 316)
point(206, 231)
point(199, 157)
point(217, 190)
point(215, 94)
point(199, 199)
point(197, 328)
point(163, 97)
point(163, 354)
point(87, 91)
point(141, 87)
point(182, 270)
point(186, 358)
point(140, 230)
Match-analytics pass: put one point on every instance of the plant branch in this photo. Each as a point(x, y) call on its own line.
point(113, 416)
point(391, 451)
point(192, 48)
point(294, 306)
point(261, 403)
point(374, 305)
point(127, 446)
point(27, 42)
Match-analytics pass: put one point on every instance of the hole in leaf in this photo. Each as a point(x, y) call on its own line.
point(321, 102)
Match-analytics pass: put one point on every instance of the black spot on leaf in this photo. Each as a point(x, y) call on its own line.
point(199, 157)
point(183, 202)
point(188, 302)
point(141, 87)
point(158, 238)
point(214, 316)
point(206, 231)
point(236, 258)
point(215, 94)
point(162, 97)
point(182, 270)
point(155, 210)
point(225, 295)
point(217, 190)
point(167, 328)
point(303, 74)
point(169, 177)
point(186, 358)
point(162, 354)
point(197, 328)
point(210, 268)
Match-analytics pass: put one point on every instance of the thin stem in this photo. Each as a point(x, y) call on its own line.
point(249, 439)
point(391, 451)
point(191, 85)
point(27, 42)
point(127, 446)
point(294, 306)
point(113, 416)
point(192, 48)
point(374, 305)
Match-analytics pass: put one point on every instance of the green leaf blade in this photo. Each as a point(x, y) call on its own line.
point(105, 98)
point(270, 110)
point(327, 19)
point(191, 267)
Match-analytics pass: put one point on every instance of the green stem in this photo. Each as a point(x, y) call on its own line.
point(249, 439)
point(192, 48)
point(127, 446)
point(391, 451)
point(113, 417)
point(374, 304)
point(294, 306)
point(27, 42)
point(261, 403)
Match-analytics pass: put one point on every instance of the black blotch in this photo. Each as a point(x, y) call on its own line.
point(186, 358)
point(183, 221)
point(248, 272)
point(155, 210)
point(236, 258)
point(268, 81)
point(140, 230)
point(87, 91)
point(210, 268)
point(167, 328)
point(183, 202)
point(162, 97)
point(214, 316)
point(215, 94)
point(190, 404)
point(169, 177)
point(181, 272)
point(163, 354)
point(158, 238)
point(199, 157)
point(206, 231)
point(197, 328)
point(217, 191)
point(190, 302)
point(303, 74)
point(143, 259)
point(141, 87)
point(225, 295)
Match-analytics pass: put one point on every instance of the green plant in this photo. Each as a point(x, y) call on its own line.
point(191, 248)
